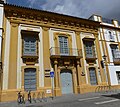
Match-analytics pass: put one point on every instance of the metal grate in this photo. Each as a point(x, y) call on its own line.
point(67, 51)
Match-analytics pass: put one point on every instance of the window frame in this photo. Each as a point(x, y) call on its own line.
point(28, 34)
point(65, 47)
point(111, 37)
point(92, 47)
point(29, 84)
point(95, 77)
point(113, 49)
point(118, 79)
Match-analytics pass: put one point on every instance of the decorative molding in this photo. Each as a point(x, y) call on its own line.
point(14, 24)
point(32, 15)
point(55, 62)
point(45, 28)
point(29, 60)
point(77, 33)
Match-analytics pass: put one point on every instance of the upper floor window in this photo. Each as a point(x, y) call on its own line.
point(111, 36)
point(30, 47)
point(29, 44)
point(114, 50)
point(89, 48)
point(63, 44)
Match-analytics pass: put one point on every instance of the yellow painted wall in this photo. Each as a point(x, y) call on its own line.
point(79, 81)
point(46, 55)
point(13, 56)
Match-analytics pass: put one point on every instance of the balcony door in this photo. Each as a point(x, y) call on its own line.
point(89, 48)
point(63, 44)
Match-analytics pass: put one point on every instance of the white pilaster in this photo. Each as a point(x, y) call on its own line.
point(1, 25)
point(19, 60)
point(6, 56)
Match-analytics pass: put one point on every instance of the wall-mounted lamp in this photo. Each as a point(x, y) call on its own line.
point(104, 57)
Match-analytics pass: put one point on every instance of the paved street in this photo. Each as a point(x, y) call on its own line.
point(111, 99)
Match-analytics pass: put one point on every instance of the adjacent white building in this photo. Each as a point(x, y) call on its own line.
point(109, 39)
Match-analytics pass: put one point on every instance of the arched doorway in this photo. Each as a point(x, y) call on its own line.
point(66, 81)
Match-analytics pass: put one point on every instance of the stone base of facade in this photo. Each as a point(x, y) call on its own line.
point(11, 95)
point(57, 92)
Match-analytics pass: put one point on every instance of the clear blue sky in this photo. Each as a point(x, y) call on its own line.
point(80, 8)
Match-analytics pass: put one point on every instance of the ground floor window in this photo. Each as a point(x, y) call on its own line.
point(30, 79)
point(92, 74)
point(118, 76)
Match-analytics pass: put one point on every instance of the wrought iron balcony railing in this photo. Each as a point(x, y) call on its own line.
point(57, 51)
point(90, 55)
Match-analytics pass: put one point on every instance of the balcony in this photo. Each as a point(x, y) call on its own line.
point(30, 57)
point(91, 57)
point(57, 52)
point(116, 58)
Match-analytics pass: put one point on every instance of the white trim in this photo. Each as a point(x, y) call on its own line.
point(1, 26)
point(1, 15)
point(30, 28)
point(41, 62)
point(6, 57)
point(19, 78)
point(53, 30)
point(83, 53)
point(40, 45)
point(61, 30)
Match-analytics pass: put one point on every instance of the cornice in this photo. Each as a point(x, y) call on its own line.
point(16, 12)
point(111, 27)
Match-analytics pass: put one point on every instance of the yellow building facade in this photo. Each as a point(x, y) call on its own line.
point(37, 42)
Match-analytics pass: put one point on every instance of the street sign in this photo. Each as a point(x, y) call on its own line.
point(52, 78)
point(51, 74)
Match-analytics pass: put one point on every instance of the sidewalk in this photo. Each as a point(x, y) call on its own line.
point(61, 99)
point(27, 103)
